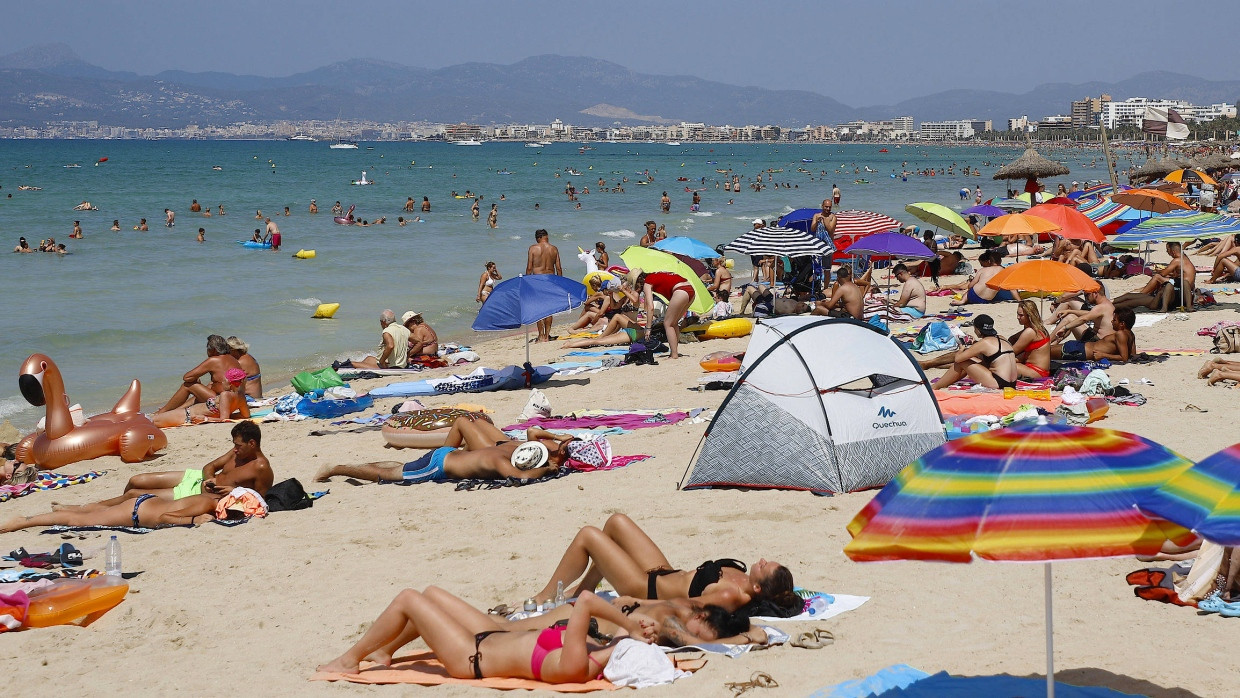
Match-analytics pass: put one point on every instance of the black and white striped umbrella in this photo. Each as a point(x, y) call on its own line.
point(785, 242)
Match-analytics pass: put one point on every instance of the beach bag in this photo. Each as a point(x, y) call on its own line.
point(936, 336)
point(288, 496)
point(1227, 341)
point(307, 381)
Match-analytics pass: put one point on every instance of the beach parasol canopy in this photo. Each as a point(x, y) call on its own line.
point(1104, 211)
point(1151, 200)
point(1043, 276)
point(1033, 492)
point(1011, 204)
point(897, 245)
point(1072, 223)
point(1155, 169)
point(985, 210)
point(1217, 161)
point(1177, 225)
point(1096, 191)
point(649, 260)
point(524, 300)
point(1031, 165)
point(1205, 498)
point(940, 216)
point(1018, 224)
point(1186, 176)
point(689, 247)
point(1061, 201)
point(780, 241)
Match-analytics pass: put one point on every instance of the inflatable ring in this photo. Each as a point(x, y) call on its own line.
point(325, 311)
point(70, 599)
point(602, 275)
point(423, 428)
point(722, 361)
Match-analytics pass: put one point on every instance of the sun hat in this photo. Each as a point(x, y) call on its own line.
point(631, 277)
point(530, 455)
point(758, 221)
point(236, 343)
point(234, 375)
point(985, 326)
point(404, 319)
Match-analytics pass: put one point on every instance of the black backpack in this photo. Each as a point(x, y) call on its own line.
point(288, 496)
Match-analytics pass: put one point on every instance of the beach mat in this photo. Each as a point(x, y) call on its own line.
point(480, 380)
point(944, 685)
point(424, 669)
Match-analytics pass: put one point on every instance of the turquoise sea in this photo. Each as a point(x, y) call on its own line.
point(128, 304)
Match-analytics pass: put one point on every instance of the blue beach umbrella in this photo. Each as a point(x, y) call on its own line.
point(687, 246)
point(524, 300)
point(799, 219)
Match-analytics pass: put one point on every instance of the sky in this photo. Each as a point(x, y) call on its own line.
point(862, 52)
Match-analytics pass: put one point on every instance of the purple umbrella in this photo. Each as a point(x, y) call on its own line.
point(985, 210)
point(890, 245)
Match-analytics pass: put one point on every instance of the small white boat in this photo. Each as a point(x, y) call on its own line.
point(301, 137)
point(575, 173)
point(544, 142)
point(343, 145)
point(467, 142)
point(533, 145)
point(673, 142)
point(73, 166)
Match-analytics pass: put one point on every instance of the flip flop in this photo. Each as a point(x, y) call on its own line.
point(69, 556)
point(815, 640)
point(1190, 407)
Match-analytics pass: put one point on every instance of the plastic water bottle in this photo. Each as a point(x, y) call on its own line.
point(817, 607)
point(112, 558)
point(559, 594)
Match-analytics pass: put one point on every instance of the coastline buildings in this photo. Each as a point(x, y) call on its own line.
point(1131, 111)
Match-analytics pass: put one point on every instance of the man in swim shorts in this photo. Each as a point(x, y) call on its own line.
point(977, 292)
point(243, 465)
point(912, 298)
point(1117, 347)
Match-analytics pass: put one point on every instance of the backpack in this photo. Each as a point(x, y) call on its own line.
point(287, 496)
point(1227, 341)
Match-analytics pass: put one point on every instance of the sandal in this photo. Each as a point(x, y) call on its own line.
point(814, 640)
point(1190, 407)
point(501, 610)
point(759, 679)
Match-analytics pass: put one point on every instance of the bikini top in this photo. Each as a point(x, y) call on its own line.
point(710, 572)
point(988, 359)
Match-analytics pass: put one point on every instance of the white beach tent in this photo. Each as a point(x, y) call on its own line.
point(822, 404)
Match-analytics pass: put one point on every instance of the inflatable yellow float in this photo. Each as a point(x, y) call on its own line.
point(325, 311)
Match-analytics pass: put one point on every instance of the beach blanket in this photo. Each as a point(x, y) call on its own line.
point(1212, 330)
point(774, 636)
point(629, 421)
point(481, 380)
point(47, 481)
point(876, 308)
point(423, 669)
point(958, 403)
point(893, 677)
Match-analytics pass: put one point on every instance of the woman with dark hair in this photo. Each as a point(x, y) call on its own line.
point(486, 282)
point(990, 361)
point(625, 556)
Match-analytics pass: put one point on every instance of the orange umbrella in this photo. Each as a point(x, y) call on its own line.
point(1072, 223)
point(1043, 276)
point(1194, 176)
point(1018, 224)
point(1150, 200)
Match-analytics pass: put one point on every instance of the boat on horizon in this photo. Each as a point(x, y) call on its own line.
point(72, 166)
point(673, 142)
point(301, 137)
point(343, 145)
point(533, 145)
point(469, 141)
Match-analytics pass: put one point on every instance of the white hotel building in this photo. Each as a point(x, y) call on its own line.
point(1131, 111)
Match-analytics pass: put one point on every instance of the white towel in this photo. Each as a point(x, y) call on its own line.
point(640, 665)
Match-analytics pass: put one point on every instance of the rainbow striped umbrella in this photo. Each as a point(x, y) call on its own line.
point(1103, 211)
point(1204, 498)
point(1032, 492)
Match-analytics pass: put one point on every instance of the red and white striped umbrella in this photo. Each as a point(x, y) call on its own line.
point(861, 223)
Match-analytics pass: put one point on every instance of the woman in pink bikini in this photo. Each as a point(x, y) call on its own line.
point(472, 645)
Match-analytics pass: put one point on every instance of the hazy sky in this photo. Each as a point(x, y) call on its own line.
point(861, 52)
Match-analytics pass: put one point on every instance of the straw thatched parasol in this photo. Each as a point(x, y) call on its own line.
point(1217, 161)
point(1153, 169)
point(1030, 165)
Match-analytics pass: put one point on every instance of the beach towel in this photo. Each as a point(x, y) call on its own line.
point(423, 669)
point(958, 403)
point(480, 380)
point(631, 420)
point(943, 684)
point(47, 481)
point(840, 603)
point(876, 684)
point(774, 636)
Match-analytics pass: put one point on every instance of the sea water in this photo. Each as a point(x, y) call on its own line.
point(125, 305)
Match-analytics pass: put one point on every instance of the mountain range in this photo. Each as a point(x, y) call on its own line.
point(51, 83)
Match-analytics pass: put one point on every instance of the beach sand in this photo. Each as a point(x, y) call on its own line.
point(256, 607)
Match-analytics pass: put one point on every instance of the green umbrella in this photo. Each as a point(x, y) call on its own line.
point(940, 216)
point(648, 260)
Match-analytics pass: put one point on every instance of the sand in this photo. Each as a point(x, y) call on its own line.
point(254, 608)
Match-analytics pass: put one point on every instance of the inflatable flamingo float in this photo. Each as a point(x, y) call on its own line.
point(346, 219)
point(124, 431)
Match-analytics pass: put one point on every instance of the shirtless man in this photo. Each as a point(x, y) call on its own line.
point(845, 301)
point(1096, 309)
point(273, 234)
point(648, 238)
point(543, 258)
point(422, 339)
point(976, 290)
point(170, 217)
point(665, 204)
point(1172, 287)
point(912, 298)
point(141, 226)
point(195, 207)
point(218, 361)
point(835, 194)
point(822, 225)
point(409, 205)
point(314, 206)
point(1118, 346)
point(243, 465)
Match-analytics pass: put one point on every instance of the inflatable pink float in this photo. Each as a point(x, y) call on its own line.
point(124, 431)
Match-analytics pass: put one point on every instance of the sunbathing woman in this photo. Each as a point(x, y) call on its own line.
point(620, 329)
point(625, 556)
point(147, 511)
point(222, 407)
point(1032, 343)
point(678, 623)
point(456, 633)
point(989, 361)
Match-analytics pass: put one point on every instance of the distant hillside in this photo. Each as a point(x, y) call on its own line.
point(51, 83)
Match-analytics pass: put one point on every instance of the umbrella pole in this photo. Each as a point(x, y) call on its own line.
point(1050, 636)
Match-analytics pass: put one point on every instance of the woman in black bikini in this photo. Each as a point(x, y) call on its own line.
point(624, 555)
point(471, 644)
point(990, 361)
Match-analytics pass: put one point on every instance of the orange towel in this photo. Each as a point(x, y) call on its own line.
point(957, 402)
point(424, 669)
